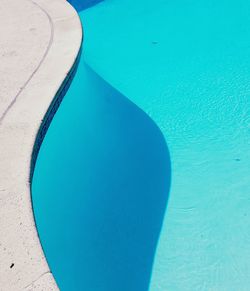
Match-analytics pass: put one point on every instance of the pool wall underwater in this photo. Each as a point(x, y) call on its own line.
point(99, 202)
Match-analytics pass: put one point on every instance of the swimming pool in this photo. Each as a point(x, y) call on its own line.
point(103, 175)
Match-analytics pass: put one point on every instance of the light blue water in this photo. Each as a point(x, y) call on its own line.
point(187, 65)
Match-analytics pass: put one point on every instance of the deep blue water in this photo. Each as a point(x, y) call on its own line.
point(186, 64)
point(80, 5)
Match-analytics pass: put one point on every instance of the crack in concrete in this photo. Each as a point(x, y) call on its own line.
point(39, 64)
point(34, 281)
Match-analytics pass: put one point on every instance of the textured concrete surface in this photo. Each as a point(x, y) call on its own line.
point(39, 42)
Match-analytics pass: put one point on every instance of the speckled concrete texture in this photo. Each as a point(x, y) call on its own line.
point(39, 43)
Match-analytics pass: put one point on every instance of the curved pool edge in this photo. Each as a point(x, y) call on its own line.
point(23, 265)
point(52, 109)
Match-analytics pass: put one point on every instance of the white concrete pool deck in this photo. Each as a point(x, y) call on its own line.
point(39, 43)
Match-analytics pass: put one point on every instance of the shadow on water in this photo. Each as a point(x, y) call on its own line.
point(81, 5)
point(100, 189)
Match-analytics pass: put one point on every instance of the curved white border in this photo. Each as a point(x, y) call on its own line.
point(19, 126)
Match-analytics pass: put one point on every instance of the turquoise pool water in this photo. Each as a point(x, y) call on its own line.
point(156, 131)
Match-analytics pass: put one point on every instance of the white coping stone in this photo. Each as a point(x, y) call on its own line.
point(39, 43)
